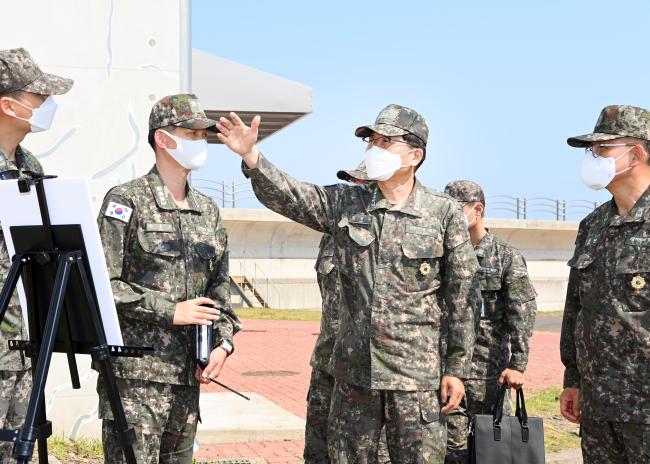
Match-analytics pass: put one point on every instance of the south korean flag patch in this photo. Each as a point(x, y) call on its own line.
point(117, 211)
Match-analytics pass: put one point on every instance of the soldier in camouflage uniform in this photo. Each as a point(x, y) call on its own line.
point(605, 341)
point(321, 383)
point(399, 247)
point(506, 319)
point(166, 252)
point(24, 89)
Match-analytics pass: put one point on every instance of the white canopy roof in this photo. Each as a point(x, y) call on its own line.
point(224, 86)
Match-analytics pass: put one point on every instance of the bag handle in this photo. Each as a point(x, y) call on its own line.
point(497, 411)
point(521, 414)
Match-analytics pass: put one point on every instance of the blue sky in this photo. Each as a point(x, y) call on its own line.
point(501, 84)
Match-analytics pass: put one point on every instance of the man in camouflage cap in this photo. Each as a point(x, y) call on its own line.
point(167, 255)
point(505, 321)
point(605, 341)
point(26, 105)
point(392, 240)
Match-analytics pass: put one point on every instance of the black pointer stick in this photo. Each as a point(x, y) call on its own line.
point(228, 388)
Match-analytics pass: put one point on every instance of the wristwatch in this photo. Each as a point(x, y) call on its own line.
point(227, 347)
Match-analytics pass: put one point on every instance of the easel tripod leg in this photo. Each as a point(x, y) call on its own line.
point(24, 447)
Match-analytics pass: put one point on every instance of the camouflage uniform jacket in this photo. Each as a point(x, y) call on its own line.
point(161, 256)
point(508, 309)
point(605, 342)
point(11, 327)
point(393, 264)
point(328, 282)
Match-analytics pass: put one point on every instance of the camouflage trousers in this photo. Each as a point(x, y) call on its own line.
point(415, 429)
point(319, 398)
point(480, 396)
point(15, 388)
point(615, 442)
point(163, 416)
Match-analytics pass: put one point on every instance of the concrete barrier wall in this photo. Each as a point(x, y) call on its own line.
point(281, 254)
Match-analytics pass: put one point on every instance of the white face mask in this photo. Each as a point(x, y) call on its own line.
point(42, 117)
point(191, 154)
point(381, 164)
point(597, 172)
point(467, 221)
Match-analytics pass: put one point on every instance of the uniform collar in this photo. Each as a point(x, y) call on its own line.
point(412, 205)
point(484, 245)
point(640, 212)
point(164, 199)
point(24, 161)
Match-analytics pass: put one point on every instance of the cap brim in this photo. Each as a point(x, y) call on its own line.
point(353, 174)
point(198, 123)
point(383, 129)
point(583, 141)
point(49, 84)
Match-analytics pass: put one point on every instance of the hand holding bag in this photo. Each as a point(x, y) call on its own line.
point(518, 439)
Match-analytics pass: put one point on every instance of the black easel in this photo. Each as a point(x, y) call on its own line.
point(64, 317)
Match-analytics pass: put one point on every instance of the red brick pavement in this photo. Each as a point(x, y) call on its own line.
point(285, 347)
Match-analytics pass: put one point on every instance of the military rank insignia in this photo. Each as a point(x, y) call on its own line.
point(638, 282)
point(425, 268)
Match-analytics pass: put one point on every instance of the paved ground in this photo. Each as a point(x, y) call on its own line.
point(272, 359)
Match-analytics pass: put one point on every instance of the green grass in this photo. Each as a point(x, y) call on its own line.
point(278, 314)
point(559, 434)
point(79, 450)
point(558, 313)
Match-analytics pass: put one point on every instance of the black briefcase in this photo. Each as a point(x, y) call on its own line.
point(494, 439)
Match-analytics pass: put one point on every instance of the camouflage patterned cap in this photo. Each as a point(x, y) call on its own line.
point(18, 71)
point(358, 173)
point(183, 110)
point(397, 120)
point(614, 122)
point(465, 191)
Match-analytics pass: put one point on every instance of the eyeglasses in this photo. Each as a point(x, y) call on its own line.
point(594, 150)
point(383, 140)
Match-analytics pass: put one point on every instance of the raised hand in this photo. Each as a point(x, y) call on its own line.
point(236, 135)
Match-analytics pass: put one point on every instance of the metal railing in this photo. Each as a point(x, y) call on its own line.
point(258, 283)
point(227, 194)
point(526, 208)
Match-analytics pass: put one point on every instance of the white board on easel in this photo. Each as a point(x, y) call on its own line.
point(69, 202)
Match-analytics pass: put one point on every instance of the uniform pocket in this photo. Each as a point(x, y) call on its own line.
point(159, 243)
point(633, 276)
point(421, 262)
point(357, 232)
point(429, 406)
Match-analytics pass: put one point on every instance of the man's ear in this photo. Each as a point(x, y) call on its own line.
point(160, 139)
point(6, 105)
point(417, 156)
point(480, 208)
point(639, 155)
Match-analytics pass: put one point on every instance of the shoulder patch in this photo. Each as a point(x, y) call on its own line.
point(118, 211)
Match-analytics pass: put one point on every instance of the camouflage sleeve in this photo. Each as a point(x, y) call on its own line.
point(228, 323)
point(572, 307)
point(567, 338)
point(521, 308)
point(307, 204)
point(460, 285)
point(131, 301)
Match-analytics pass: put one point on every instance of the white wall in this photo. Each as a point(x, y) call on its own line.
point(120, 67)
